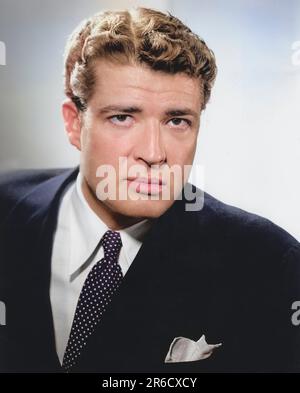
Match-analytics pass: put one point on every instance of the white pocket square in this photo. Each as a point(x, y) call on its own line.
point(183, 349)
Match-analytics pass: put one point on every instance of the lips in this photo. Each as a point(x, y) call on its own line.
point(148, 186)
point(146, 180)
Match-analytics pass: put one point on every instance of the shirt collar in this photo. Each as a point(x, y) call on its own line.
point(87, 230)
point(132, 238)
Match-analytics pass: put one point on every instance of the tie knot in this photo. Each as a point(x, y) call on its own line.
point(112, 243)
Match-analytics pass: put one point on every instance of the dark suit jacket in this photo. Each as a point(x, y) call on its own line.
point(221, 271)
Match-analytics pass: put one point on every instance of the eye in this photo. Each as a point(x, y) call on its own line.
point(178, 122)
point(121, 119)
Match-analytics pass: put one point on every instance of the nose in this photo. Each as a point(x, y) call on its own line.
point(150, 147)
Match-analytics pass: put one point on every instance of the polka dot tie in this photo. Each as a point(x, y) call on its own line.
point(97, 291)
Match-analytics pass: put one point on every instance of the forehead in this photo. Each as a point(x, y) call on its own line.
point(140, 82)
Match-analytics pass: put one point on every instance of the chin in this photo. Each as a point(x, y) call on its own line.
point(145, 209)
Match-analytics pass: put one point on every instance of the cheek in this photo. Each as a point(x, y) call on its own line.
point(104, 149)
point(181, 152)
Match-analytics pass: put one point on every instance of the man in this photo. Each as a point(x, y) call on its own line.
point(108, 267)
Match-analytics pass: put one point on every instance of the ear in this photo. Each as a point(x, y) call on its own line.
point(72, 122)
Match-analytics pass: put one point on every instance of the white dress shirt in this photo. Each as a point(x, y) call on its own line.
point(76, 250)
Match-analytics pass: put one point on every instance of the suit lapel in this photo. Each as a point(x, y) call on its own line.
point(28, 244)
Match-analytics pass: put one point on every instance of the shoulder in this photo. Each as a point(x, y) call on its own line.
point(249, 227)
point(252, 235)
point(15, 185)
point(243, 222)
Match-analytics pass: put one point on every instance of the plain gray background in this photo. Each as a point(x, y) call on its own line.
point(249, 141)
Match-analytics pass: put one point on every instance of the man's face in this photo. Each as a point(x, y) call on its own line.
point(149, 118)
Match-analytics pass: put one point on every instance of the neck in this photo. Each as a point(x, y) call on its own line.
point(113, 220)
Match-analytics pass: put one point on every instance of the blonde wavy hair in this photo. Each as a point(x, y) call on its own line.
point(137, 36)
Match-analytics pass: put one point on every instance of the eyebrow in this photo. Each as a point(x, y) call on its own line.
point(135, 109)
